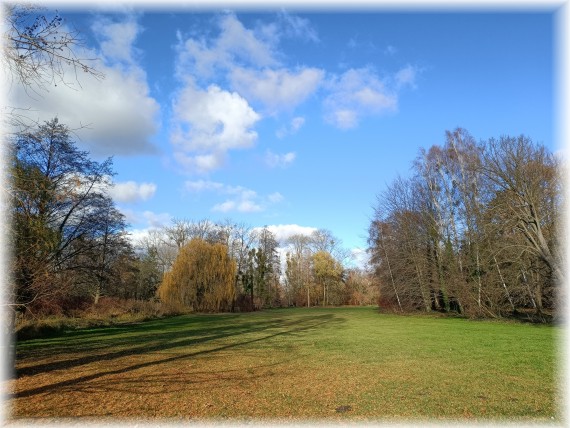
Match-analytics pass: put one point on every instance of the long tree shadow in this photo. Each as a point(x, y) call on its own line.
point(159, 341)
point(127, 386)
point(291, 328)
point(96, 338)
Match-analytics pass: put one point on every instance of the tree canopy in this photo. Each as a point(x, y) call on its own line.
point(64, 221)
point(474, 230)
point(202, 278)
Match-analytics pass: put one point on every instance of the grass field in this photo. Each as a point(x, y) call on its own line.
point(293, 364)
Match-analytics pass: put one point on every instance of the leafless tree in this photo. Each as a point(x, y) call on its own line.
point(474, 230)
point(39, 50)
point(526, 181)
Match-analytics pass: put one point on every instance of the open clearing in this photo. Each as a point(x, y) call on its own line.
point(293, 364)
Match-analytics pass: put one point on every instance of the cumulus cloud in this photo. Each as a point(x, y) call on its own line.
point(359, 257)
point(277, 89)
point(234, 44)
point(113, 116)
point(275, 197)
point(343, 118)
point(238, 198)
point(294, 127)
point(295, 26)
point(274, 160)
point(406, 77)
point(356, 93)
point(297, 123)
point(243, 200)
point(150, 224)
point(287, 25)
point(208, 121)
point(131, 191)
point(207, 124)
point(156, 220)
point(147, 219)
point(202, 185)
point(249, 59)
point(562, 154)
point(199, 163)
point(243, 206)
point(137, 236)
point(116, 39)
point(283, 232)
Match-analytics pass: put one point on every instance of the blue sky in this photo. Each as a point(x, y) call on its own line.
point(294, 119)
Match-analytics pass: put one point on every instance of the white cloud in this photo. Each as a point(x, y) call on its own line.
point(202, 185)
point(295, 26)
point(243, 206)
point(131, 191)
point(406, 77)
point(241, 199)
point(283, 232)
point(207, 124)
point(275, 197)
point(200, 163)
point(145, 219)
point(343, 118)
point(137, 236)
point(359, 257)
point(234, 44)
point(156, 220)
point(279, 89)
point(117, 38)
point(242, 192)
point(274, 160)
point(562, 154)
point(249, 60)
point(357, 93)
point(118, 110)
point(295, 125)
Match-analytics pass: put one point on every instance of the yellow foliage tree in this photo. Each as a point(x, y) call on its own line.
point(202, 278)
point(327, 273)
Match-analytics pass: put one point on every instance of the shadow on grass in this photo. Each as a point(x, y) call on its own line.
point(168, 340)
point(174, 333)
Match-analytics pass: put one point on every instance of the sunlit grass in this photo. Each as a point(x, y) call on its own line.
point(325, 363)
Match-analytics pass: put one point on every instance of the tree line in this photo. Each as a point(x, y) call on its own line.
point(231, 266)
point(475, 230)
point(71, 246)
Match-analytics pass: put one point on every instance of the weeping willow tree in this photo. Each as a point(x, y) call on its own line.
point(202, 278)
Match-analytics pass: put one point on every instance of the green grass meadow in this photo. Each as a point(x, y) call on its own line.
point(330, 364)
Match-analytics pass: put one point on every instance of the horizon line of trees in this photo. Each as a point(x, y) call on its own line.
point(302, 270)
point(71, 247)
point(475, 230)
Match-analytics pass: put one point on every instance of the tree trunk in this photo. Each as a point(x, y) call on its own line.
point(529, 291)
point(97, 295)
point(504, 285)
